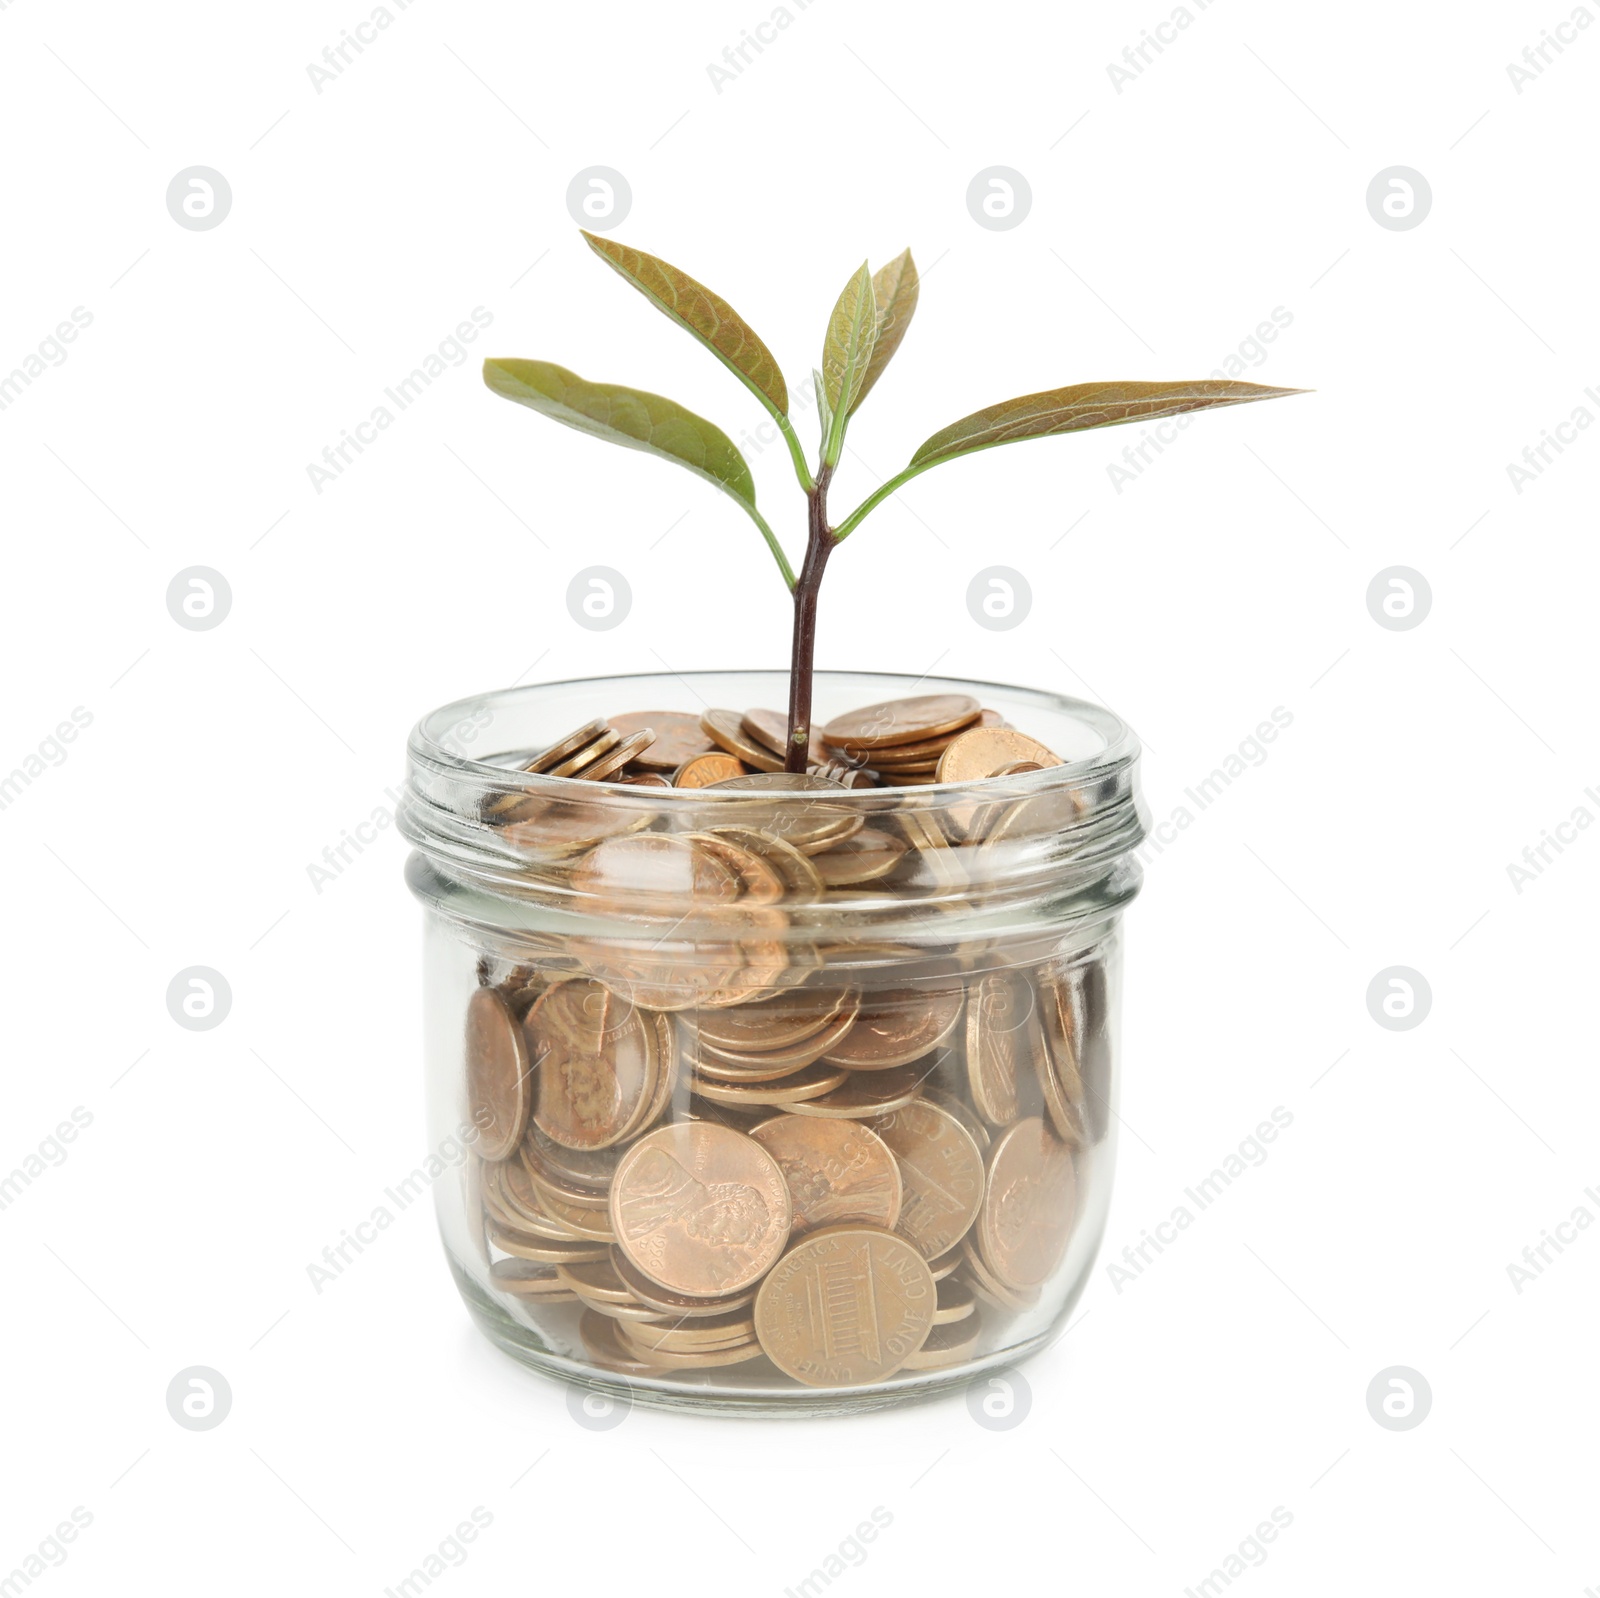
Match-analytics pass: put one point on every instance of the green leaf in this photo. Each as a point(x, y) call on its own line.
point(626, 416)
point(894, 293)
point(707, 315)
point(824, 410)
point(846, 354)
point(1080, 406)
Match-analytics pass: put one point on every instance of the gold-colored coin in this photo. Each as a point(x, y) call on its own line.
point(712, 1331)
point(760, 884)
point(613, 760)
point(1003, 1042)
point(988, 1288)
point(596, 1280)
point(836, 1170)
point(700, 1209)
point(802, 883)
point(654, 866)
point(555, 829)
point(951, 1343)
point(597, 1060)
point(642, 779)
point(678, 737)
point(498, 1074)
point(901, 721)
point(863, 857)
point(845, 1307)
point(1057, 1066)
point(564, 748)
point(725, 728)
point(941, 1265)
point(942, 1173)
point(580, 1176)
point(754, 1031)
point(605, 1347)
point(985, 750)
point(661, 1359)
point(546, 1250)
point(896, 1026)
point(1029, 1205)
point(527, 1279)
point(705, 771)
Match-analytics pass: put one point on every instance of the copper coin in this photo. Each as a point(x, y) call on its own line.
point(597, 1060)
point(770, 729)
point(596, 1279)
point(1003, 1043)
point(1058, 1072)
point(942, 1173)
point(700, 1209)
point(498, 1070)
point(711, 1331)
point(663, 1359)
point(897, 1026)
point(949, 1343)
point(941, 1265)
point(836, 1170)
point(585, 756)
point(901, 721)
point(562, 748)
point(1029, 1205)
point(866, 1094)
point(725, 728)
point(567, 1170)
point(613, 760)
point(655, 865)
point(677, 737)
point(845, 1307)
point(802, 883)
point(863, 857)
point(606, 1348)
point(547, 1250)
point(754, 1030)
point(526, 1278)
point(662, 1299)
point(554, 829)
point(985, 750)
point(956, 1302)
point(794, 1087)
point(642, 779)
point(705, 771)
point(759, 883)
point(989, 1289)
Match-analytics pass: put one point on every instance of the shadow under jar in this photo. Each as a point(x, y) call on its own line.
point(770, 1100)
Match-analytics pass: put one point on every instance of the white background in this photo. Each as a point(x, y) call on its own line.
point(1226, 180)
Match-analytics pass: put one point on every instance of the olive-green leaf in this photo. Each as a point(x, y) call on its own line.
point(847, 350)
point(894, 293)
point(1080, 406)
point(707, 315)
point(626, 416)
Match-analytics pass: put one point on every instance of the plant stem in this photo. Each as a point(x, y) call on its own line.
point(819, 545)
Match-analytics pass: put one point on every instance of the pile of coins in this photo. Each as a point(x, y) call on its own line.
point(831, 1161)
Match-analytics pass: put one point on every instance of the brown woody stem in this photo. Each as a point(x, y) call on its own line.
point(819, 545)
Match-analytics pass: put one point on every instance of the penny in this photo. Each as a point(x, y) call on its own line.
point(613, 760)
point(941, 1171)
point(759, 883)
point(946, 1344)
point(526, 1279)
point(642, 779)
point(582, 1224)
point(569, 745)
point(712, 1331)
point(605, 1347)
point(770, 729)
point(956, 1303)
point(700, 1209)
point(1057, 1067)
point(556, 828)
point(864, 857)
point(662, 1299)
point(754, 1030)
point(987, 1287)
point(795, 1087)
point(985, 750)
point(901, 721)
point(1002, 1039)
point(545, 1250)
point(941, 1265)
point(948, 1101)
point(897, 1026)
point(801, 880)
point(498, 1070)
point(705, 771)
point(845, 1307)
point(661, 1359)
point(725, 728)
point(866, 1094)
point(596, 1279)
point(597, 1062)
point(835, 1170)
point(654, 865)
point(677, 737)
point(1029, 1205)
point(585, 1172)
point(585, 756)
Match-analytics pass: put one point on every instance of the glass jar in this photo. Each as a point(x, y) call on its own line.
point(770, 1100)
